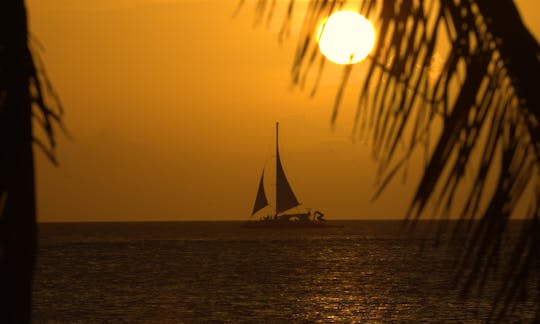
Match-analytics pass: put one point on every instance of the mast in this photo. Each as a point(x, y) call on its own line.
point(277, 166)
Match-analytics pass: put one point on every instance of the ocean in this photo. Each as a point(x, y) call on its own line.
point(219, 272)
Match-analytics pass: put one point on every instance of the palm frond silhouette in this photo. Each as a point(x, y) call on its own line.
point(458, 80)
point(26, 96)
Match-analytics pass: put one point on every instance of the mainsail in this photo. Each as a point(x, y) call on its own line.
point(285, 198)
point(260, 200)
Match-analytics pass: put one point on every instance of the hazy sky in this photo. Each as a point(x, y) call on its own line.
point(172, 106)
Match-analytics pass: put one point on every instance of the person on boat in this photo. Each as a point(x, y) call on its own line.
point(320, 216)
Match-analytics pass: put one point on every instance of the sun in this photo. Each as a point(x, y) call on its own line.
point(346, 37)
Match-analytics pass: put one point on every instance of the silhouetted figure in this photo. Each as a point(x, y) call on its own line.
point(320, 216)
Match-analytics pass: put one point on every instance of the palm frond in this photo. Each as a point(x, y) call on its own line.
point(24, 92)
point(47, 106)
point(459, 80)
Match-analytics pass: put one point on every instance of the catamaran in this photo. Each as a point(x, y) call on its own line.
point(285, 199)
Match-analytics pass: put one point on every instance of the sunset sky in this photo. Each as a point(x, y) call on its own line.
point(172, 106)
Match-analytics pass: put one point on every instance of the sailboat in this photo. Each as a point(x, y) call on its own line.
point(285, 199)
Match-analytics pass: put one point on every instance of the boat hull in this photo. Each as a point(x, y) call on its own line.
point(287, 224)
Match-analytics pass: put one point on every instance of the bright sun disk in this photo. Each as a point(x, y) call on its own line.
point(346, 37)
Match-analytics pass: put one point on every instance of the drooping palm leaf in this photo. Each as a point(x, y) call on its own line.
point(25, 95)
point(458, 79)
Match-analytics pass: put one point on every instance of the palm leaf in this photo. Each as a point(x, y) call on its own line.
point(26, 95)
point(485, 98)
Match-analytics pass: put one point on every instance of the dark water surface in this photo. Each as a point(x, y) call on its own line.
point(189, 272)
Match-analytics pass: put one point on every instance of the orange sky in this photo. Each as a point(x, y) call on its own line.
point(172, 107)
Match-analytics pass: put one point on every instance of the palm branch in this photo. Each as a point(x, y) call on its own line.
point(26, 95)
point(458, 80)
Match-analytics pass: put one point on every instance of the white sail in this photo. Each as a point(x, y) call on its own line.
point(260, 200)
